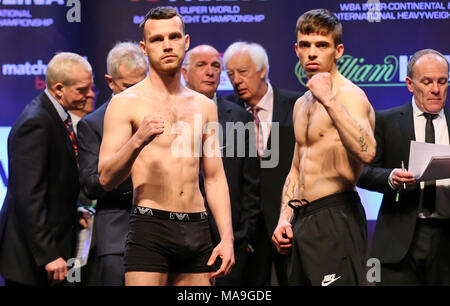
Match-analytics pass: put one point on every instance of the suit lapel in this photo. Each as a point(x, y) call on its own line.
point(447, 118)
point(62, 130)
point(406, 120)
point(224, 113)
point(281, 108)
point(405, 124)
point(277, 112)
point(280, 113)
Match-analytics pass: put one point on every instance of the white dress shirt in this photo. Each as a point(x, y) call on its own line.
point(61, 111)
point(442, 210)
point(265, 115)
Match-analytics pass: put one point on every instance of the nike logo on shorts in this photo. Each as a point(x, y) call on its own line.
point(329, 279)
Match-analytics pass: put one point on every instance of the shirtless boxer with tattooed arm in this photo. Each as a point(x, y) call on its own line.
point(322, 224)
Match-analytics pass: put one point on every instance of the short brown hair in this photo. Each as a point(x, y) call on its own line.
point(320, 21)
point(158, 13)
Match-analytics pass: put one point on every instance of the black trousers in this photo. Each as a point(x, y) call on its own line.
point(428, 259)
point(258, 271)
point(236, 275)
point(330, 242)
point(112, 270)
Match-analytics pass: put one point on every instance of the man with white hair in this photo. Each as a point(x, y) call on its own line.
point(39, 214)
point(247, 65)
point(201, 71)
point(126, 66)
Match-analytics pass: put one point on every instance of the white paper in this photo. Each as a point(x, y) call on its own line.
point(428, 161)
point(84, 242)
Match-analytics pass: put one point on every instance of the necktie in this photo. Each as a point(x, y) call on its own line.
point(429, 191)
point(69, 127)
point(259, 138)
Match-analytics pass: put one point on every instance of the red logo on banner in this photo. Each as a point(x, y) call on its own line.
point(39, 84)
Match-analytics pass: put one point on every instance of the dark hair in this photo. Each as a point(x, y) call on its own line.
point(418, 55)
point(320, 21)
point(158, 13)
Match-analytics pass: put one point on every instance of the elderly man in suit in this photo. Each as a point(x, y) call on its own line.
point(201, 71)
point(39, 214)
point(247, 66)
point(412, 234)
point(126, 66)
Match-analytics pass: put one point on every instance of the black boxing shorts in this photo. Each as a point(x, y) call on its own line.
point(168, 242)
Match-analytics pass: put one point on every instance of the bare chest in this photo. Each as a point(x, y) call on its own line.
point(183, 120)
point(313, 124)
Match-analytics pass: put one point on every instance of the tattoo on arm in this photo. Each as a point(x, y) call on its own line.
point(362, 139)
point(291, 188)
point(289, 193)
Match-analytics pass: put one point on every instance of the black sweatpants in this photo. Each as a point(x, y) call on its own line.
point(330, 242)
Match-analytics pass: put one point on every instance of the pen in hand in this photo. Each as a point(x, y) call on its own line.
point(404, 170)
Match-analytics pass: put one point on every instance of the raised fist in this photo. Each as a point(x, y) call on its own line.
point(321, 87)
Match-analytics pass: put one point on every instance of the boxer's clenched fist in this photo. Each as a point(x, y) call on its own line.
point(321, 87)
point(150, 127)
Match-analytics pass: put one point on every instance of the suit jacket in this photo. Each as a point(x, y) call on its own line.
point(113, 208)
point(272, 179)
point(39, 214)
point(242, 175)
point(394, 129)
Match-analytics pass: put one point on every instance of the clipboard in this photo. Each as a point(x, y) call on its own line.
point(437, 168)
point(428, 161)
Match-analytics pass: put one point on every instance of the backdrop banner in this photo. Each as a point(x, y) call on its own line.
point(379, 38)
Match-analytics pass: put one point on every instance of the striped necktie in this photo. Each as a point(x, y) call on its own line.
point(69, 127)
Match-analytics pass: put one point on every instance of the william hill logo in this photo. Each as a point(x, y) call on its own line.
point(364, 74)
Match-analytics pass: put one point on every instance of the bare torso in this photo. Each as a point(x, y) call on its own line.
point(164, 175)
point(326, 167)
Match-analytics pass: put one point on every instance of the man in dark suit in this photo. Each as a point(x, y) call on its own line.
point(39, 214)
point(201, 71)
point(247, 66)
point(412, 234)
point(126, 66)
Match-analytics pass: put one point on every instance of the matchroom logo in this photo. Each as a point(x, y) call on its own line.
point(391, 72)
point(27, 69)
